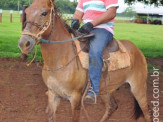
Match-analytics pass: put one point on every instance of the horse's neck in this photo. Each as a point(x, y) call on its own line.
point(56, 55)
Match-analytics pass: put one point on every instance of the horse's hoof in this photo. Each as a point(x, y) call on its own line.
point(50, 119)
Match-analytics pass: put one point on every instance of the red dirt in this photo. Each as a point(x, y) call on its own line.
point(23, 99)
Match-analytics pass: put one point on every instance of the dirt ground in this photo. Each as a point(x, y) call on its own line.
point(23, 99)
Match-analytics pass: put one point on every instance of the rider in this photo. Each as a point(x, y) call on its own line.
point(98, 18)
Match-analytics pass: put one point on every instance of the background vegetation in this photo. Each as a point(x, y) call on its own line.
point(147, 37)
point(65, 5)
point(13, 4)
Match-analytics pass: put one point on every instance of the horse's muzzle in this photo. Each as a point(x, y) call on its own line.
point(26, 44)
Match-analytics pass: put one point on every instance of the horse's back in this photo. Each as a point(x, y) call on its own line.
point(138, 67)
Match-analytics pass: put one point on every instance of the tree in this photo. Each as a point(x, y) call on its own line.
point(66, 6)
point(155, 2)
point(129, 12)
point(12, 4)
point(75, 1)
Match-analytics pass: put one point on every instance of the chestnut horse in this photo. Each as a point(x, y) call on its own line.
point(62, 71)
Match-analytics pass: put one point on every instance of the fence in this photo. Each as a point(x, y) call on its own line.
point(11, 15)
point(16, 14)
point(64, 16)
point(0, 15)
point(8, 15)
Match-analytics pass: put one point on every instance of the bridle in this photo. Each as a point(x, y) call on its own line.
point(42, 27)
point(45, 27)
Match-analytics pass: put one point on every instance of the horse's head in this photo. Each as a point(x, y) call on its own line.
point(39, 16)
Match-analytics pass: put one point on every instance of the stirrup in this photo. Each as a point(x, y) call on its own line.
point(95, 96)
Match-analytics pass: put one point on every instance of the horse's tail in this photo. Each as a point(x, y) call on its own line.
point(137, 110)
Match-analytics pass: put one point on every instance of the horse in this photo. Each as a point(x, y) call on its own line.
point(62, 71)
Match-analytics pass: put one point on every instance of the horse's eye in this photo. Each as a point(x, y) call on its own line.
point(44, 13)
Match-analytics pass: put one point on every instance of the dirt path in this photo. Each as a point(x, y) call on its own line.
point(23, 99)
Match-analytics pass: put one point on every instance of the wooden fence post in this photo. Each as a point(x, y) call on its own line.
point(0, 15)
point(11, 12)
point(21, 16)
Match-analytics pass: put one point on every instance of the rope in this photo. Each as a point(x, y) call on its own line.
point(70, 19)
point(91, 90)
point(63, 41)
point(82, 103)
point(28, 64)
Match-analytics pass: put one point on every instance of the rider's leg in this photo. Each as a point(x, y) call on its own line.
point(97, 45)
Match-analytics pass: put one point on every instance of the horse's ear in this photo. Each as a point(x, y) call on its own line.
point(24, 17)
point(53, 0)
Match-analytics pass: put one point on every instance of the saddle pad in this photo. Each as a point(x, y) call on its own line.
point(117, 60)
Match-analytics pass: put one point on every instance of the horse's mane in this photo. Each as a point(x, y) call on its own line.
point(59, 14)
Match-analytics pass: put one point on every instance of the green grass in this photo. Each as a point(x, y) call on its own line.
point(149, 38)
point(9, 35)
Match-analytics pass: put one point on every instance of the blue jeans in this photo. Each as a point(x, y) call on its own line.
point(97, 46)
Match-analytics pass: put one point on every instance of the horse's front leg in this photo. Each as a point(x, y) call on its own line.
point(75, 106)
point(53, 103)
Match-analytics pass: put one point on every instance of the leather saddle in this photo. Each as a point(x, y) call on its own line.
point(114, 54)
point(84, 43)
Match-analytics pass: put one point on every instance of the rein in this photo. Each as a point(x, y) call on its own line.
point(63, 41)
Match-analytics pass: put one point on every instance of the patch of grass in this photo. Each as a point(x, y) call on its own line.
point(150, 66)
point(9, 35)
point(148, 38)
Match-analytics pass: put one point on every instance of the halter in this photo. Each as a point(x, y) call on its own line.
point(42, 27)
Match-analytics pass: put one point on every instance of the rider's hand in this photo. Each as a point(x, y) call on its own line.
point(86, 28)
point(75, 24)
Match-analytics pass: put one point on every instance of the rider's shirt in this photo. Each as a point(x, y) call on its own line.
point(92, 9)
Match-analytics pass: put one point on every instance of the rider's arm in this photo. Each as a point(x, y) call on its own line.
point(79, 11)
point(106, 17)
point(78, 15)
point(111, 8)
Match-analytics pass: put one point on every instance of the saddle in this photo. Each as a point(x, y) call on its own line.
point(115, 55)
point(84, 43)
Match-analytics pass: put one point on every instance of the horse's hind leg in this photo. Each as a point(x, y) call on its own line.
point(139, 90)
point(53, 103)
point(75, 106)
point(110, 106)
